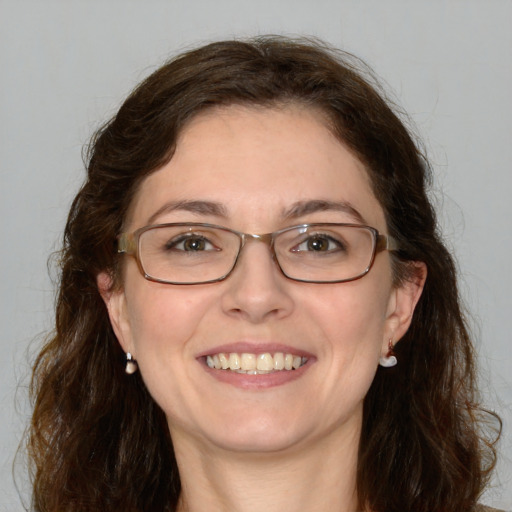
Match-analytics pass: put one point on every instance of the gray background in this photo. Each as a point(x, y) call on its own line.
point(66, 65)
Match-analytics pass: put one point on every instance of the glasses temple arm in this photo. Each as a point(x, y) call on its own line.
point(387, 243)
point(126, 243)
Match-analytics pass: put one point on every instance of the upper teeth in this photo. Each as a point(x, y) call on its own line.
point(255, 363)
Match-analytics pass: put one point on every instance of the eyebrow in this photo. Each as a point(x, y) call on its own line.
point(302, 208)
point(198, 207)
point(297, 210)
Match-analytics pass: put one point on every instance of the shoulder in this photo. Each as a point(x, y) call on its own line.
point(483, 508)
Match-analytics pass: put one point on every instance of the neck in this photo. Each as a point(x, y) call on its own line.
point(319, 476)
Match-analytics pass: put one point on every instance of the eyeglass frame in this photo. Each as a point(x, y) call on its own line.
point(129, 242)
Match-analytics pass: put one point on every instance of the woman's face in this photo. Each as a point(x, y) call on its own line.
point(257, 171)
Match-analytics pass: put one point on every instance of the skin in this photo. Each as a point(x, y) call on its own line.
point(240, 449)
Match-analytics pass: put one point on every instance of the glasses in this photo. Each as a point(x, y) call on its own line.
point(192, 253)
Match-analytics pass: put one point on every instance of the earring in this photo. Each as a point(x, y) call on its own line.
point(390, 359)
point(131, 364)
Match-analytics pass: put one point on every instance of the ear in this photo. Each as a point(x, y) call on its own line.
point(402, 302)
point(115, 301)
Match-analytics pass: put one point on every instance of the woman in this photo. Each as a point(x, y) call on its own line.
point(195, 368)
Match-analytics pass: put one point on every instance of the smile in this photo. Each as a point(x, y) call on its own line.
point(255, 364)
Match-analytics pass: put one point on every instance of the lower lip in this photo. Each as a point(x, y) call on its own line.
point(255, 382)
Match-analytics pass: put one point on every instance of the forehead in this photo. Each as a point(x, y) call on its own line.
point(256, 162)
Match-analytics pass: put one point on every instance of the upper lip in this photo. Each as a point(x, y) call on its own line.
point(241, 347)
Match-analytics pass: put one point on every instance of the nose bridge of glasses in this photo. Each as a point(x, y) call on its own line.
point(266, 238)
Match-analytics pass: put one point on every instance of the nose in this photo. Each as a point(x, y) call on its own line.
point(257, 290)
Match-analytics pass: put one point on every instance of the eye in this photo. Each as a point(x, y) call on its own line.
point(319, 243)
point(190, 243)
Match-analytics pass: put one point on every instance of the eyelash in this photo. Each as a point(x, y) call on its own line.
point(339, 245)
point(172, 244)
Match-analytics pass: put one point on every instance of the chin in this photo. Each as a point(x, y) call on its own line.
point(260, 435)
point(259, 442)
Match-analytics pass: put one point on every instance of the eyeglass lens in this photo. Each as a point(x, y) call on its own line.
point(196, 254)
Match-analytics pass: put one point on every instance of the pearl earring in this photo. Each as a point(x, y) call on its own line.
point(390, 359)
point(131, 364)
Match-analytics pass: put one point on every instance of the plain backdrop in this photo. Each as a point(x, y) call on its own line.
point(66, 65)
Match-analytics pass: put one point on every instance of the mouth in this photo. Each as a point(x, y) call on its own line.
point(255, 363)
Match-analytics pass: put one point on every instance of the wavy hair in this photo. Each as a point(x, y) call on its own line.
point(98, 441)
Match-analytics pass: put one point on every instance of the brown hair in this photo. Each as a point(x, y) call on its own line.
point(99, 442)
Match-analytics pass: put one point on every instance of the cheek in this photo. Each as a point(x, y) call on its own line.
point(163, 318)
point(352, 320)
point(164, 324)
point(353, 311)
